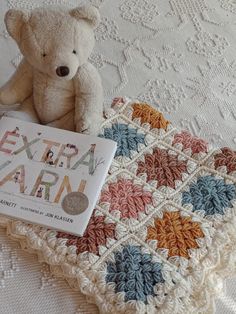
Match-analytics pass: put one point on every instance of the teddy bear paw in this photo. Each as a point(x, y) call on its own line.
point(89, 127)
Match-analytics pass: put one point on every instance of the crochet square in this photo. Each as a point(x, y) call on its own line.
point(190, 145)
point(223, 160)
point(210, 195)
point(101, 234)
point(177, 235)
point(128, 199)
point(131, 139)
point(148, 118)
point(133, 278)
point(163, 168)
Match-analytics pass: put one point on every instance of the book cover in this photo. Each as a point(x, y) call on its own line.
point(49, 176)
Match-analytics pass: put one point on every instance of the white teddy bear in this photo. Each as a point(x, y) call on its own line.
point(55, 84)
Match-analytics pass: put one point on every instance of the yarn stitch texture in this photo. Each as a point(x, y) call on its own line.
point(126, 137)
point(128, 198)
point(175, 233)
point(226, 157)
point(95, 235)
point(210, 195)
point(189, 141)
point(163, 167)
point(134, 273)
point(163, 232)
point(148, 114)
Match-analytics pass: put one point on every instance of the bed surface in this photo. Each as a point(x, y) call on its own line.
point(180, 57)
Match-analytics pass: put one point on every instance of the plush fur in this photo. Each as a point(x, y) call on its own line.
point(55, 84)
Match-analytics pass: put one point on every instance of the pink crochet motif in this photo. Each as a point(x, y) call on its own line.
point(162, 167)
point(96, 234)
point(128, 198)
point(196, 144)
point(227, 158)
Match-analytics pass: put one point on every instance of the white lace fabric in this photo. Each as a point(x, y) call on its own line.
point(178, 55)
point(27, 286)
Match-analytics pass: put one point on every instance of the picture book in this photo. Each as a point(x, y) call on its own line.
point(49, 176)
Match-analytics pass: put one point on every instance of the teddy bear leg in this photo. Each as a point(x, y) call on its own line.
point(66, 122)
point(25, 112)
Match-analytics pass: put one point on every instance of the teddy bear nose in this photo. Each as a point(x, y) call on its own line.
point(63, 71)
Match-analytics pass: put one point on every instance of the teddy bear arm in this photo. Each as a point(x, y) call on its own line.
point(19, 87)
point(88, 100)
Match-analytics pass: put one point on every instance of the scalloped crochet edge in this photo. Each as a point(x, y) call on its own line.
point(221, 262)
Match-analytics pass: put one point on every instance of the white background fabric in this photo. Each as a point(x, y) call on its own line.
point(178, 55)
point(26, 286)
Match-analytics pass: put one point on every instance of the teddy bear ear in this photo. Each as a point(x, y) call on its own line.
point(14, 20)
point(88, 13)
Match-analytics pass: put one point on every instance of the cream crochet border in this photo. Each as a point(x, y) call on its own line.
point(220, 261)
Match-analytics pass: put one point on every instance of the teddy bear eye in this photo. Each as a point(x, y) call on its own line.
point(74, 51)
point(44, 54)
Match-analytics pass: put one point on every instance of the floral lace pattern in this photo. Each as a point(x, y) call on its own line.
point(138, 11)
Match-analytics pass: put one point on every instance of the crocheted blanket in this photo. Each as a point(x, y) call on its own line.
point(163, 234)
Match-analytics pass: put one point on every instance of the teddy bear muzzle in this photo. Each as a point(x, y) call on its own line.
point(62, 71)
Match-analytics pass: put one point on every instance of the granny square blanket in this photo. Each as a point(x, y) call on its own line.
point(163, 234)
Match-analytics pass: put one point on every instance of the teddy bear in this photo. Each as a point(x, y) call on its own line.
point(55, 85)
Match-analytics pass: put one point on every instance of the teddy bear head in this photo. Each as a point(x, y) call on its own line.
point(55, 40)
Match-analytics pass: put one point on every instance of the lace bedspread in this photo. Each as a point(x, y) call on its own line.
point(178, 55)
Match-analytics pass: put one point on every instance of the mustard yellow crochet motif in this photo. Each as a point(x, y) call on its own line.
point(148, 114)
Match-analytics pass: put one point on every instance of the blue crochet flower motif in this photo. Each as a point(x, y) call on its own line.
point(134, 273)
point(127, 138)
point(210, 194)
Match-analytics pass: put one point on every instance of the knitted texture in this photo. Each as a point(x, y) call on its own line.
point(163, 233)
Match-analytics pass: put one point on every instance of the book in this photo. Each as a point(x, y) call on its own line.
point(50, 176)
